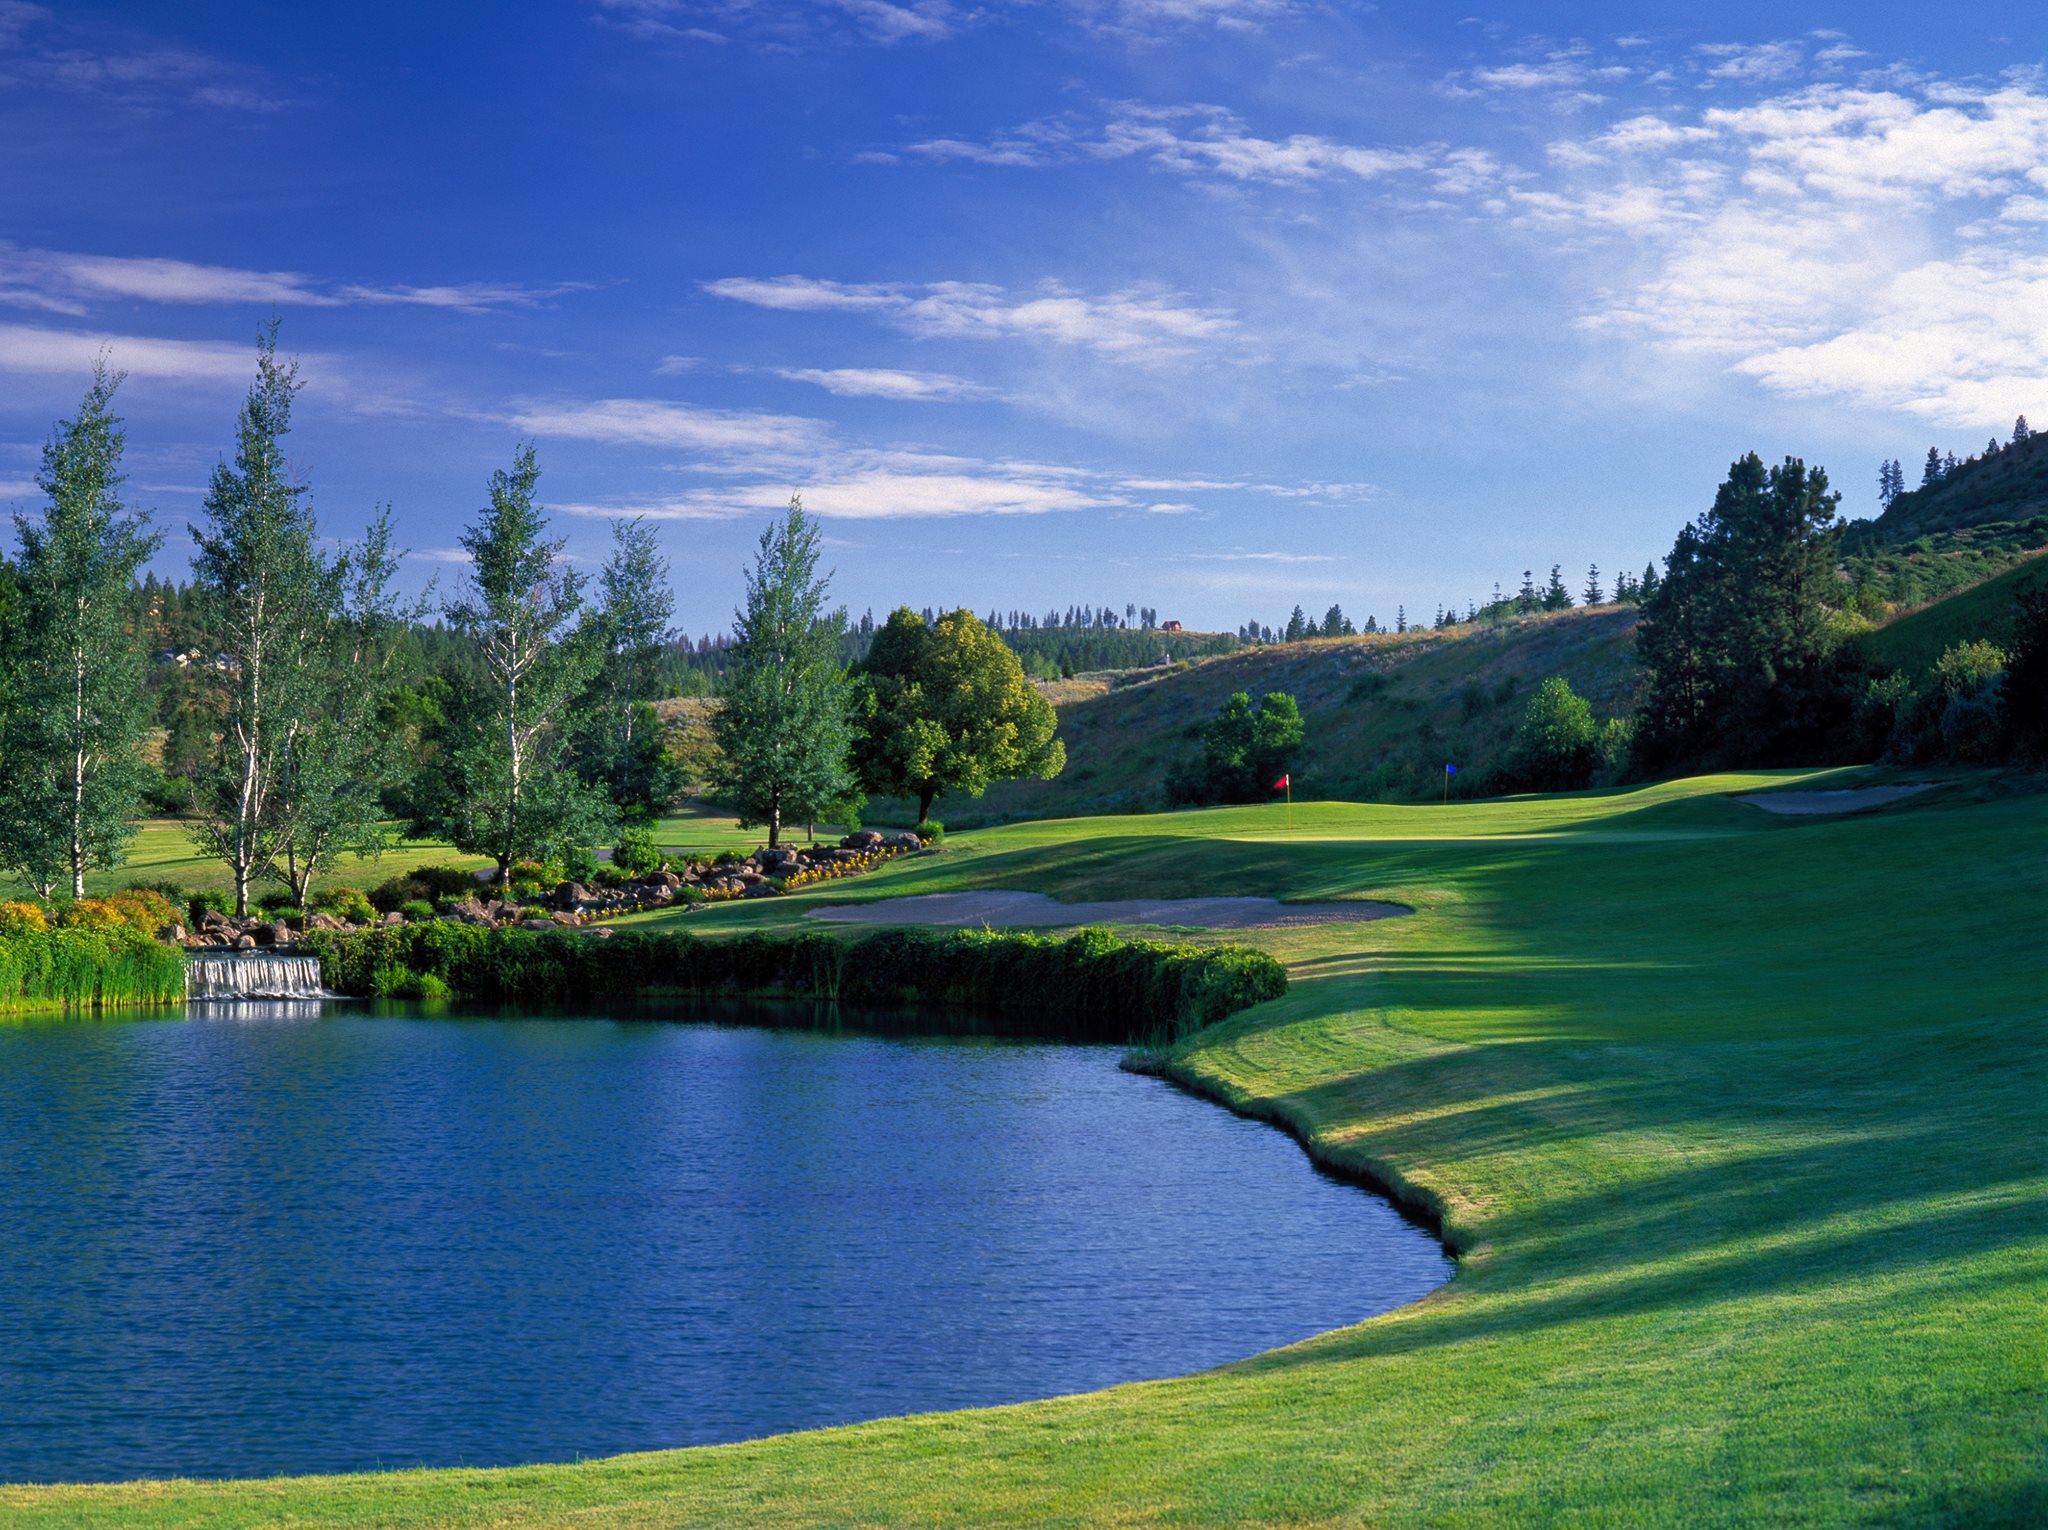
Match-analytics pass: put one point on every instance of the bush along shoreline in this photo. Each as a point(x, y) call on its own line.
point(1092, 983)
point(95, 953)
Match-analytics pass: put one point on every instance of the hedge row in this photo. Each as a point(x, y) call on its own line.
point(1090, 981)
point(82, 967)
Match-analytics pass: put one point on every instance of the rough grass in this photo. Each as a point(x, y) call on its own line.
point(1385, 714)
point(1914, 641)
point(1738, 1120)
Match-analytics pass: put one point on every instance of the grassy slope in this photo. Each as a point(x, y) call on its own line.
point(1739, 1120)
point(1454, 696)
point(2011, 486)
point(1917, 639)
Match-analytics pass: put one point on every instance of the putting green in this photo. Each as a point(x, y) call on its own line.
point(1738, 1121)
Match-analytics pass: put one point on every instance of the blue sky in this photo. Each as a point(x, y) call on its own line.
point(1211, 305)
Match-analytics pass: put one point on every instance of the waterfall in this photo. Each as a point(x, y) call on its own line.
point(252, 975)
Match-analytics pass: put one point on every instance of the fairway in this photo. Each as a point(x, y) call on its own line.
point(1738, 1123)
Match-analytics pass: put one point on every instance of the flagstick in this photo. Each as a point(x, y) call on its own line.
point(1290, 802)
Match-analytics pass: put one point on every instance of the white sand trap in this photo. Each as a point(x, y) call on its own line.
point(1037, 911)
point(1846, 800)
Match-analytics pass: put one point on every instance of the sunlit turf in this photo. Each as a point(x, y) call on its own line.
point(162, 851)
point(1739, 1122)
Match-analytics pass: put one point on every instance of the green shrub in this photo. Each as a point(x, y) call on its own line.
point(636, 853)
point(1115, 989)
point(417, 909)
point(580, 865)
point(201, 903)
point(931, 831)
point(345, 903)
point(276, 898)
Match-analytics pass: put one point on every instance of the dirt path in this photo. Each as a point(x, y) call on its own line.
point(1845, 800)
point(1037, 911)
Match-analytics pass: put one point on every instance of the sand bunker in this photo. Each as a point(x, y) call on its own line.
point(1847, 800)
point(1037, 911)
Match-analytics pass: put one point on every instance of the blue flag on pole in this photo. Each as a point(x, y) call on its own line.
point(1450, 770)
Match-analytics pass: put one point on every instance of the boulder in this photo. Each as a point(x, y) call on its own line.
point(569, 894)
point(392, 918)
point(905, 841)
point(536, 924)
point(866, 839)
point(245, 942)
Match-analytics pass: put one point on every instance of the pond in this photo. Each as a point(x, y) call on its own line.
point(284, 1239)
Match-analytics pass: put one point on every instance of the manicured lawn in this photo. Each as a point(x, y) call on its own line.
point(1740, 1122)
point(163, 851)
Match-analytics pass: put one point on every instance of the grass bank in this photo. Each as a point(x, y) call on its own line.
point(1739, 1120)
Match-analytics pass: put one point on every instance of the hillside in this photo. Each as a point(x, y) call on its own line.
point(1984, 610)
point(2011, 486)
point(1385, 713)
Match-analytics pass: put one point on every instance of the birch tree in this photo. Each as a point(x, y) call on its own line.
point(337, 759)
point(510, 790)
point(268, 594)
point(74, 733)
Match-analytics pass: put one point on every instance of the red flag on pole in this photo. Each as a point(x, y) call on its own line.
point(1281, 784)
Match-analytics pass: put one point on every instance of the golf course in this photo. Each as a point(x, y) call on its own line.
point(1737, 1123)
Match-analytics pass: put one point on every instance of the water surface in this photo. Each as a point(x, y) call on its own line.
point(288, 1239)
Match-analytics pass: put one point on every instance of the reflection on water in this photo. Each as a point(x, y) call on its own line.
point(289, 1238)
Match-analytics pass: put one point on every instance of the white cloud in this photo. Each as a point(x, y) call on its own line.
point(879, 486)
point(68, 283)
point(1239, 555)
point(19, 488)
point(803, 294)
point(882, 382)
point(1136, 324)
point(927, 20)
point(29, 348)
point(1956, 342)
point(1142, 19)
point(1753, 62)
point(680, 427)
point(1208, 141)
point(1872, 244)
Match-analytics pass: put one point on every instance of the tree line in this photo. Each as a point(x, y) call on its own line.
point(519, 726)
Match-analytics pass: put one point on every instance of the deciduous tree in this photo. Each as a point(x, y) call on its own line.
point(72, 737)
point(946, 708)
point(268, 594)
point(509, 788)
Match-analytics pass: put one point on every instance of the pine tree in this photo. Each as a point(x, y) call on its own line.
point(1649, 584)
point(1891, 483)
point(1593, 593)
point(1734, 642)
point(1931, 473)
point(785, 729)
point(1949, 464)
point(1555, 596)
point(635, 605)
point(1297, 625)
point(72, 738)
point(2020, 432)
point(1401, 619)
point(1526, 599)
